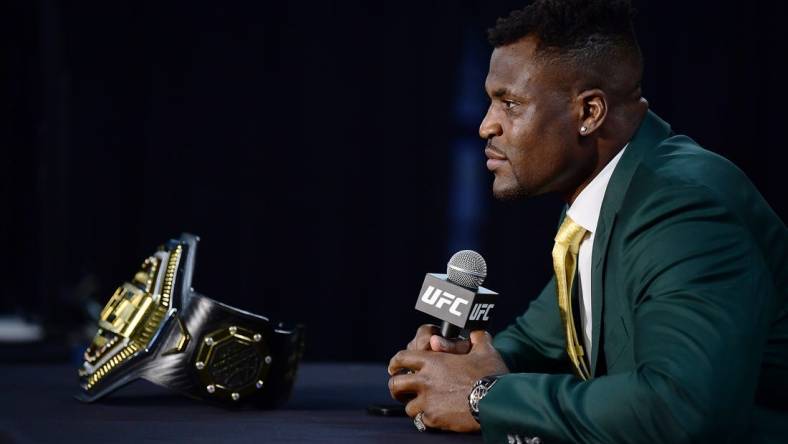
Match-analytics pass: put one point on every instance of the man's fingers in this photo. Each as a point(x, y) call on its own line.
point(415, 406)
point(403, 387)
point(422, 340)
point(455, 346)
point(406, 359)
point(480, 338)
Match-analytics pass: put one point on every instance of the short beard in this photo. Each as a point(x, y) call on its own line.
point(511, 195)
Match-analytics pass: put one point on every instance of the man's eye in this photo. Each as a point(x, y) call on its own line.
point(509, 104)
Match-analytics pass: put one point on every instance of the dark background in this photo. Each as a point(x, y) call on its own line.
point(326, 152)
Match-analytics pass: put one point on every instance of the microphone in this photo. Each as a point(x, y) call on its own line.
point(457, 298)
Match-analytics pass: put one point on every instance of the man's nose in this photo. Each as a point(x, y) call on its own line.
point(490, 127)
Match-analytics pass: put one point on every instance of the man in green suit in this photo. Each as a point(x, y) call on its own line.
point(666, 319)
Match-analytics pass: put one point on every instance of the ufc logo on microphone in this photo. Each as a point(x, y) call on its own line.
point(439, 298)
point(481, 311)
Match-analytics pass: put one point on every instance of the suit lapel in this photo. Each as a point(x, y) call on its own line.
point(651, 131)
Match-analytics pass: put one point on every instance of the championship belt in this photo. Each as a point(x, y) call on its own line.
point(156, 327)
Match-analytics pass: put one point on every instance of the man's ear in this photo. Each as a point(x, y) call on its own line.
point(593, 110)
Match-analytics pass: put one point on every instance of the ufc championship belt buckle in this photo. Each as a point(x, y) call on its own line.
point(156, 327)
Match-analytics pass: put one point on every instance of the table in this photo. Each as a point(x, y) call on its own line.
point(328, 406)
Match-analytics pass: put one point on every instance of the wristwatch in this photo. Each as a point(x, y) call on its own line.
point(479, 391)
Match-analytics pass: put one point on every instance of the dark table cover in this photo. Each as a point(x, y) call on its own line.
point(328, 405)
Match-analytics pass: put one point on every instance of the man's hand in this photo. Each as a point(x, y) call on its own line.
point(428, 338)
point(442, 381)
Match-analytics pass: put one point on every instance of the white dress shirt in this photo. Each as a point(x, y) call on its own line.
point(585, 212)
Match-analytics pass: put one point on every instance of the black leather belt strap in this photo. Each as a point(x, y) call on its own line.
point(229, 362)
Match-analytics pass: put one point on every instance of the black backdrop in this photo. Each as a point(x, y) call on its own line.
point(313, 147)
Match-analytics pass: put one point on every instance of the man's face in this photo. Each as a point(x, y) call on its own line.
point(531, 125)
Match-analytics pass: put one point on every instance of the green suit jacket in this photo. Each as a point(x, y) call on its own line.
point(690, 320)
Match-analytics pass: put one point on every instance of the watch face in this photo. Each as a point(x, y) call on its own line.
point(477, 394)
point(480, 390)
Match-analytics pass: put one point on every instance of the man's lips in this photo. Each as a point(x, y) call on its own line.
point(493, 154)
point(495, 158)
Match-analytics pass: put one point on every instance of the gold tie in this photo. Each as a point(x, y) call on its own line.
point(567, 245)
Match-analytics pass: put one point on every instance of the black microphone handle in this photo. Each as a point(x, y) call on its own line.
point(449, 330)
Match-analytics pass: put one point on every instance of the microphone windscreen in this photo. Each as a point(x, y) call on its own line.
point(467, 268)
